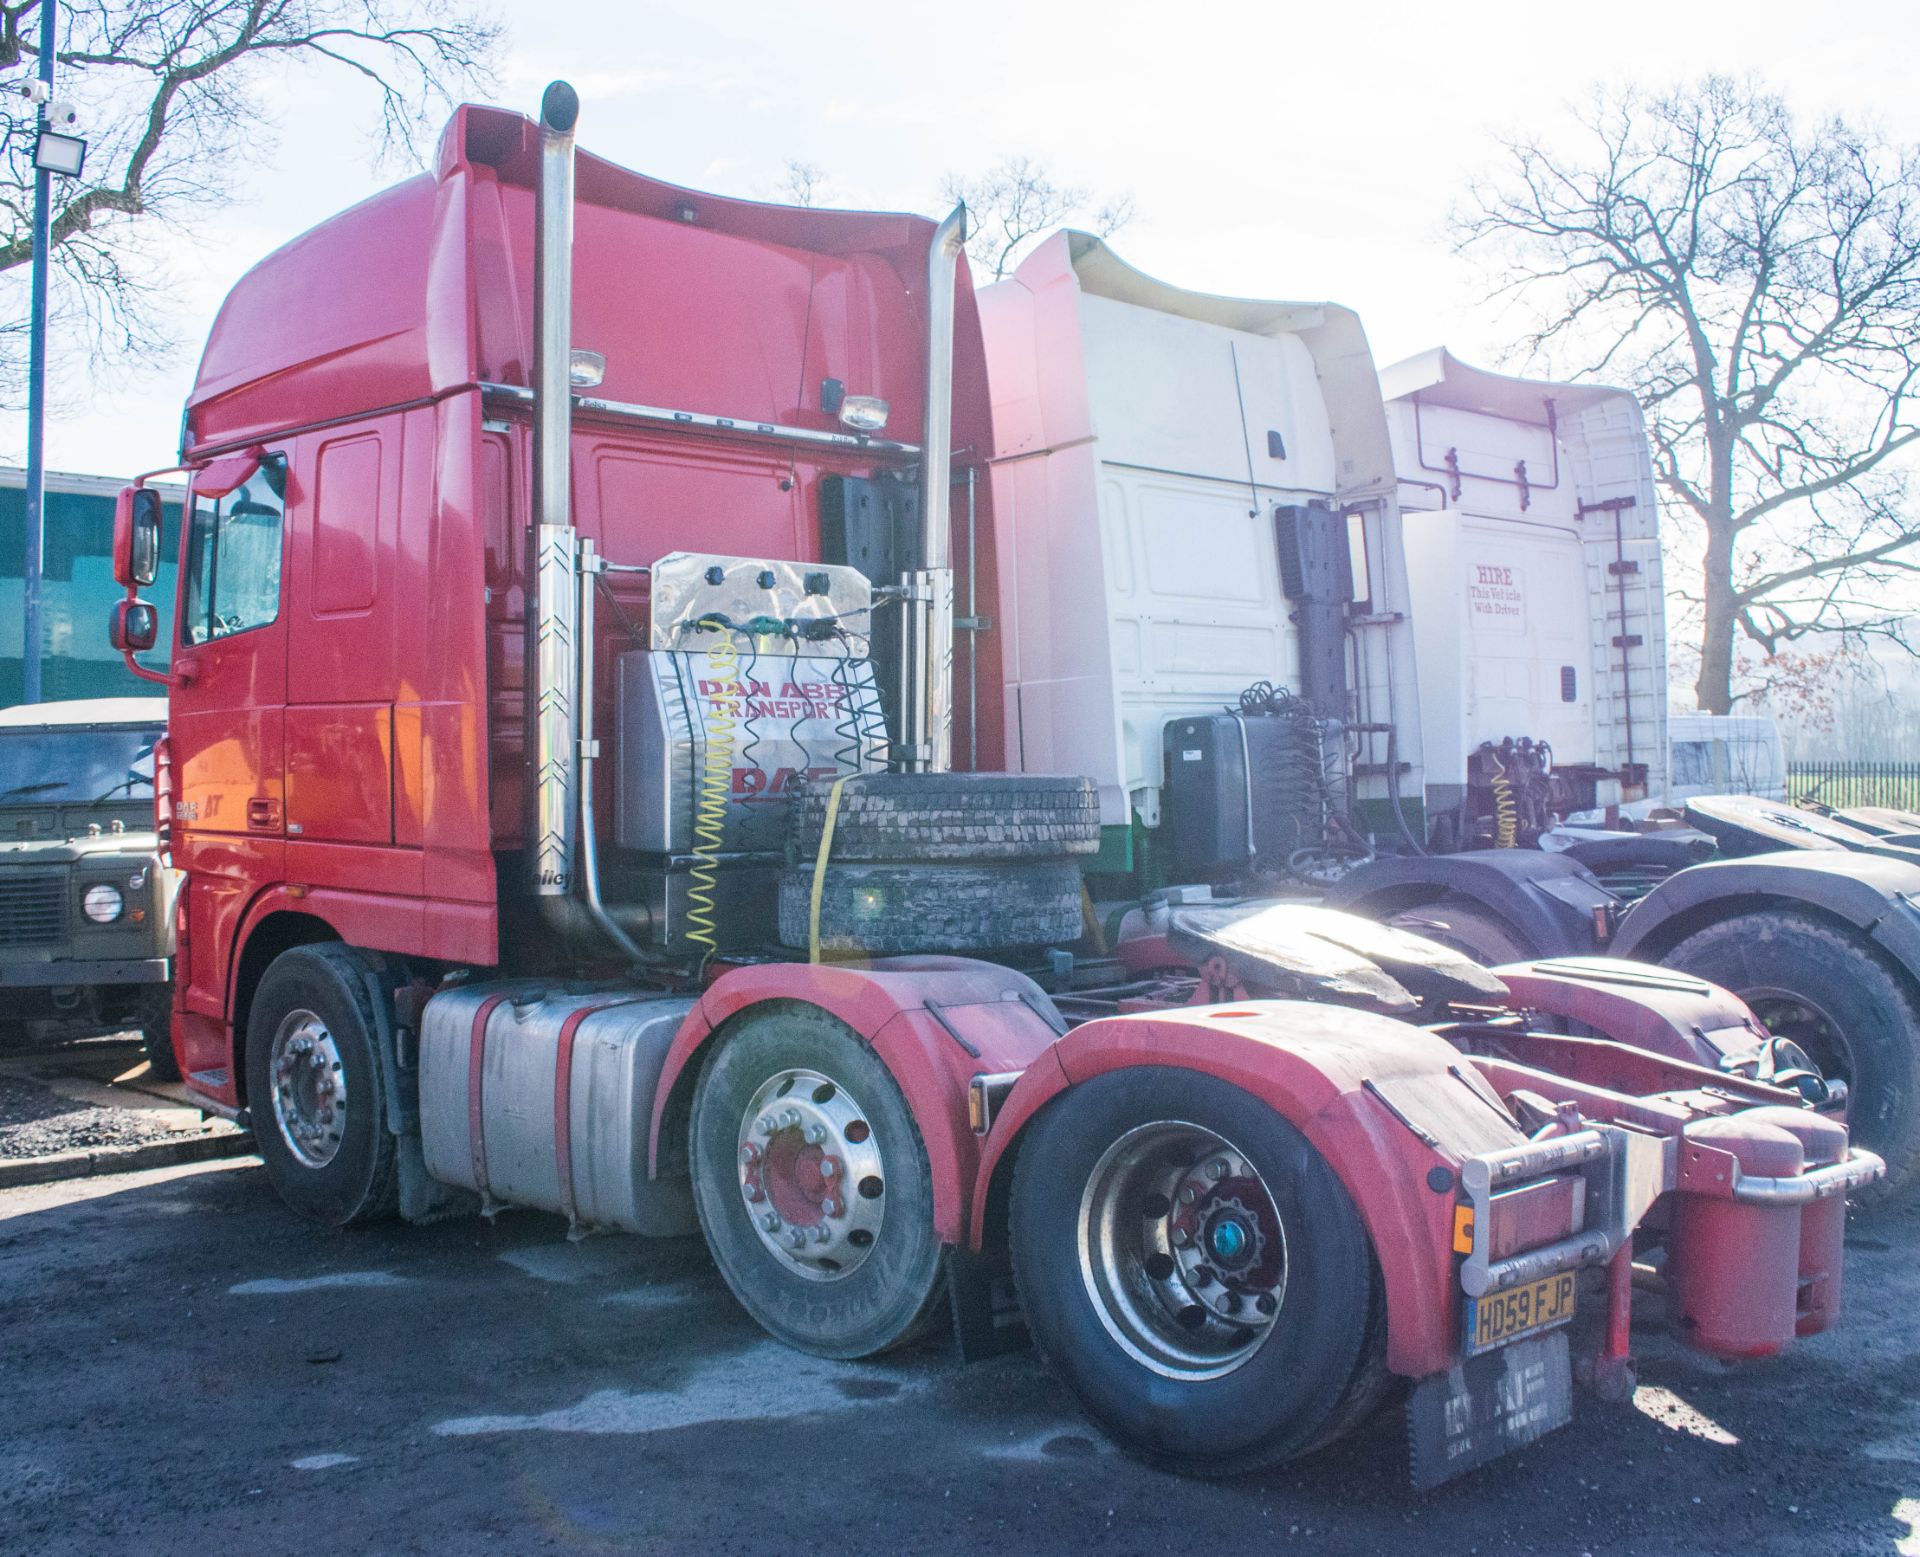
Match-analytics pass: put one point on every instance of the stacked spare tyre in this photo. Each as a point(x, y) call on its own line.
point(952, 862)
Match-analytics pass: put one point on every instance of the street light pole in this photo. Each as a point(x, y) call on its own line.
point(37, 378)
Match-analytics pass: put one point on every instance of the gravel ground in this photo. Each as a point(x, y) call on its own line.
point(36, 1121)
point(187, 1369)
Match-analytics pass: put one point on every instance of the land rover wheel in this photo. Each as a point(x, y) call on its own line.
point(1193, 1271)
point(315, 1088)
point(812, 1185)
point(156, 1032)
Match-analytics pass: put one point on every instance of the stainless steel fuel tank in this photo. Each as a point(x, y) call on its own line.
point(562, 1106)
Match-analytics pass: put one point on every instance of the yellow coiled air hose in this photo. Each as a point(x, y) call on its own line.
point(710, 805)
point(1506, 814)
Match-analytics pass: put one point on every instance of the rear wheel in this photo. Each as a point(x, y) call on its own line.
point(812, 1185)
point(315, 1088)
point(1475, 932)
point(1194, 1272)
point(1818, 984)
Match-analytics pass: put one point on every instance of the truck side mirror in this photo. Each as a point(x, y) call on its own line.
point(136, 537)
point(134, 626)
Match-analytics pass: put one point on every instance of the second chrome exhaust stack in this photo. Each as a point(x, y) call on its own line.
point(553, 676)
point(926, 659)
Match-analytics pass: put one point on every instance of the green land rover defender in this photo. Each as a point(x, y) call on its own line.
point(86, 905)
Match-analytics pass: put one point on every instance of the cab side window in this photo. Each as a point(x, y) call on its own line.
point(233, 556)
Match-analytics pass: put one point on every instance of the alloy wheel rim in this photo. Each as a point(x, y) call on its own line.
point(1182, 1250)
point(309, 1088)
point(810, 1175)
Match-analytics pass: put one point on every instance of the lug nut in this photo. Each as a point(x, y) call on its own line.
point(829, 1207)
point(829, 1166)
point(754, 1192)
point(822, 1234)
point(768, 1125)
point(1216, 1170)
point(1181, 1238)
point(1187, 1196)
point(771, 1221)
point(749, 1153)
point(815, 1134)
point(799, 1237)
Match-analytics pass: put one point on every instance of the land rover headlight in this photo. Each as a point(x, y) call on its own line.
point(103, 903)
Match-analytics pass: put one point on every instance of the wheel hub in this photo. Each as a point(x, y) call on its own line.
point(810, 1173)
point(1183, 1250)
point(309, 1088)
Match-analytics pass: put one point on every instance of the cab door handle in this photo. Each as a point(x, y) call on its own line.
point(263, 815)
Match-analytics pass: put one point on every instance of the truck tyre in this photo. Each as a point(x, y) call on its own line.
point(1462, 924)
point(883, 910)
point(156, 1033)
point(812, 1185)
point(1822, 986)
point(949, 816)
point(316, 1091)
point(1193, 1271)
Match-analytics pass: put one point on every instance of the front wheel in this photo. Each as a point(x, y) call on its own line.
point(1194, 1272)
point(1819, 984)
point(315, 1088)
point(812, 1185)
point(156, 1033)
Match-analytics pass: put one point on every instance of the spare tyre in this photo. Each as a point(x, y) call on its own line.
point(949, 816)
point(890, 909)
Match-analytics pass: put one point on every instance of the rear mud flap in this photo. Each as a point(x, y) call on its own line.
point(1487, 1406)
point(987, 1321)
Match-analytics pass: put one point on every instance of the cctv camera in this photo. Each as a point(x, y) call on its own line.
point(33, 91)
point(62, 116)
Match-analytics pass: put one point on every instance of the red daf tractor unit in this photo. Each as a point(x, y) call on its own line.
point(559, 765)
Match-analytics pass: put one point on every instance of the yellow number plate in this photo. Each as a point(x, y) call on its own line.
point(1500, 1317)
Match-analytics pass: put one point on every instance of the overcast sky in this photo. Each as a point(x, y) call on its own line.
point(1272, 149)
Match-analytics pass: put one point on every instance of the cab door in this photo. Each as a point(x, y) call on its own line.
point(342, 610)
point(226, 716)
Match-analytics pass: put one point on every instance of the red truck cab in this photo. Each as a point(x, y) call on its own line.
point(347, 710)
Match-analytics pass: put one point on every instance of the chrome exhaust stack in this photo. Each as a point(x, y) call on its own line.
point(926, 607)
point(553, 649)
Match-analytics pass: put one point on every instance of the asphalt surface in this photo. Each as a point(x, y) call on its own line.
point(187, 1369)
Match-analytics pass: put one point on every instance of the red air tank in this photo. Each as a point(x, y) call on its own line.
point(1732, 1266)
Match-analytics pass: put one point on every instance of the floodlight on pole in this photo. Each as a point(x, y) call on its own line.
point(53, 152)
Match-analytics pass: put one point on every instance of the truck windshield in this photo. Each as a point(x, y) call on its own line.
point(69, 767)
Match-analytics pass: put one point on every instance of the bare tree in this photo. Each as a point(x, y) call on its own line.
point(803, 184)
point(1016, 201)
point(174, 99)
point(1757, 282)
